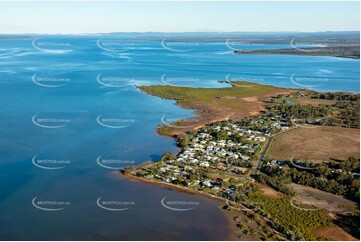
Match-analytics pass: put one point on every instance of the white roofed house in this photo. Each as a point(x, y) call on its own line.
point(194, 161)
point(195, 140)
point(204, 135)
point(233, 155)
point(188, 168)
point(260, 138)
point(204, 164)
point(180, 161)
point(221, 143)
point(248, 131)
point(163, 169)
point(207, 183)
point(217, 128)
point(244, 157)
point(222, 153)
point(214, 159)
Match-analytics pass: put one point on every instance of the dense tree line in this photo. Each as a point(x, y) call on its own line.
point(299, 111)
point(296, 224)
point(276, 183)
point(340, 179)
point(349, 114)
point(340, 96)
point(342, 113)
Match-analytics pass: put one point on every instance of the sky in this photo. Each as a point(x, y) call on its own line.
point(105, 17)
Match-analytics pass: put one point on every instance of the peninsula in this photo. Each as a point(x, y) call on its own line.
point(234, 150)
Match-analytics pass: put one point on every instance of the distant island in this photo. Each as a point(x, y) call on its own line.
point(346, 45)
point(240, 149)
point(352, 52)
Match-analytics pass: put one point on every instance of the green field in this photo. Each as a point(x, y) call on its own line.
point(226, 96)
point(239, 100)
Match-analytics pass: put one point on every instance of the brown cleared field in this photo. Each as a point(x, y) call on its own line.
point(316, 143)
point(324, 200)
point(333, 204)
point(334, 233)
point(270, 192)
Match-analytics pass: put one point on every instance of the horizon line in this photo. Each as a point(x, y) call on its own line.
point(180, 32)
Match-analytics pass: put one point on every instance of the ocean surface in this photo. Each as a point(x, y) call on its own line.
point(71, 116)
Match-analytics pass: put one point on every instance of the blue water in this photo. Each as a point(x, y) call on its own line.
point(73, 79)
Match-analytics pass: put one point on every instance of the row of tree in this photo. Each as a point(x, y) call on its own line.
point(341, 178)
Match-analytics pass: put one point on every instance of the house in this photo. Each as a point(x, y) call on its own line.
point(216, 187)
point(260, 138)
point(163, 169)
point(204, 164)
point(244, 157)
point(207, 183)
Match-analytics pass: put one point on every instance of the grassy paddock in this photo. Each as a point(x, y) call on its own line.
point(316, 143)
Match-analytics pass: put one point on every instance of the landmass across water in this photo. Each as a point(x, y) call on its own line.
point(229, 152)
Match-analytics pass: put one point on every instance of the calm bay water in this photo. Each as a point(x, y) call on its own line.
point(70, 111)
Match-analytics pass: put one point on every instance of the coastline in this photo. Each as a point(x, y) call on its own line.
point(207, 113)
point(228, 214)
point(257, 104)
point(346, 52)
point(169, 185)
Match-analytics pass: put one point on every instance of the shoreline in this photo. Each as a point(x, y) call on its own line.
point(226, 213)
point(206, 113)
point(235, 232)
point(169, 185)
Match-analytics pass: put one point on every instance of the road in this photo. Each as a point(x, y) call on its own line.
point(261, 159)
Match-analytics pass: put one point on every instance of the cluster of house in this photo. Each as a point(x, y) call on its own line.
point(205, 150)
point(227, 147)
point(279, 123)
point(275, 163)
